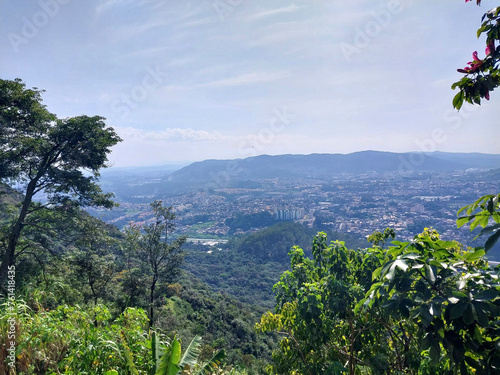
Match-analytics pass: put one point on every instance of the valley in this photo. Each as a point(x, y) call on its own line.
point(342, 200)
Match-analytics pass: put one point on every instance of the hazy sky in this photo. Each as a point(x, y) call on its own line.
point(184, 80)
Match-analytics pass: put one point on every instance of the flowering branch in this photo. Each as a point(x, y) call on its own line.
point(481, 75)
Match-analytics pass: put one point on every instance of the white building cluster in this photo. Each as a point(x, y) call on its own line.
point(293, 214)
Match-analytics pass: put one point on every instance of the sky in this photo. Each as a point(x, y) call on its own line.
point(183, 81)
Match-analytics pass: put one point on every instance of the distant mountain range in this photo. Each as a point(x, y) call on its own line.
point(321, 165)
point(154, 181)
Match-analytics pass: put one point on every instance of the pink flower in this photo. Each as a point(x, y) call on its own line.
point(487, 95)
point(474, 65)
point(490, 48)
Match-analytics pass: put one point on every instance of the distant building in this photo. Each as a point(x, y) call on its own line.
point(293, 214)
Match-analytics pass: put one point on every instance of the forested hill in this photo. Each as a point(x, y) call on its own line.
point(266, 166)
point(8, 196)
point(248, 267)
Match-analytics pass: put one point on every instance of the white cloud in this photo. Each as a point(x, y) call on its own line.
point(246, 79)
point(268, 13)
point(222, 80)
point(169, 134)
point(106, 5)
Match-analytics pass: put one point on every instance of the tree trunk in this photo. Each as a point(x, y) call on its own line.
point(15, 233)
point(352, 339)
point(151, 300)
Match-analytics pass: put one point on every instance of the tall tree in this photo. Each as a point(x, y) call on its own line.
point(156, 249)
point(40, 153)
point(323, 334)
point(93, 257)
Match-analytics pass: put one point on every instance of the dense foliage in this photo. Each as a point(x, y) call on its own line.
point(90, 279)
point(75, 289)
point(246, 222)
point(248, 279)
point(244, 268)
point(40, 153)
point(274, 242)
point(72, 340)
point(422, 307)
point(152, 245)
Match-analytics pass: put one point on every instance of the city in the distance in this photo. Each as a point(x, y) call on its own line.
point(356, 193)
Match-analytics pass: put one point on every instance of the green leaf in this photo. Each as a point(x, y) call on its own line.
point(496, 216)
point(487, 295)
point(425, 315)
point(475, 255)
point(170, 359)
point(376, 273)
point(155, 352)
point(490, 242)
point(411, 256)
point(214, 362)
point(479, 220)
point(477, 335)
point(438, 264)
point(401, 264)
point(468, 314)
point(392, 272)
point(484, 219)
point(458, 100)
point(482, 317)
point(434, 352)
point(111, 372)
point(434, 309)
point(430, 272)
point(403, 308)
point(491, 228)
point(427, 341)
point(461, 221)
point(191, 353)
point(457, 310)
point(459, 295)
point(128, 356)
point(387, 267)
